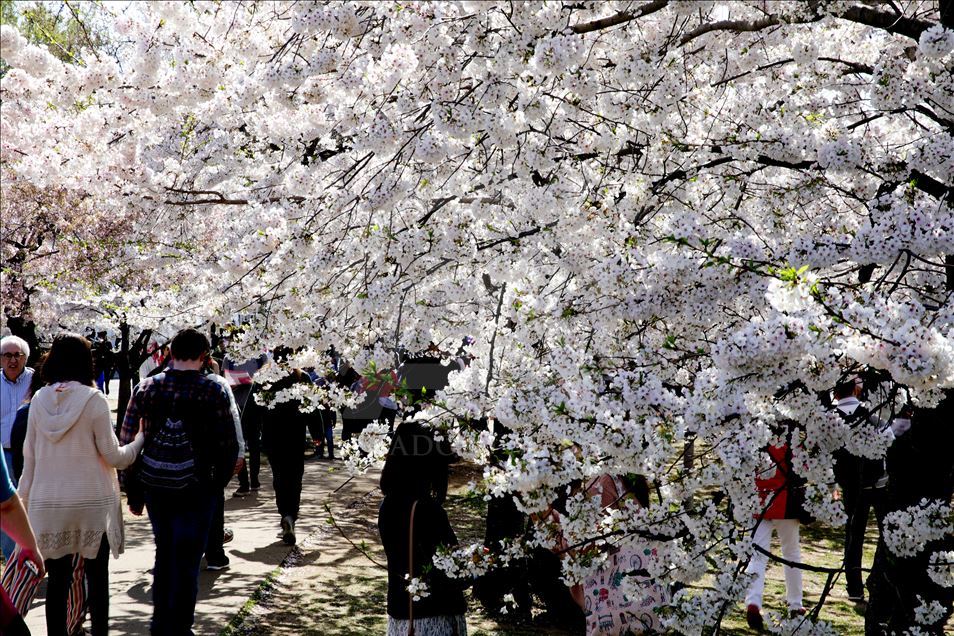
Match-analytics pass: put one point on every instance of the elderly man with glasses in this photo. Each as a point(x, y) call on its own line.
point(14, 388)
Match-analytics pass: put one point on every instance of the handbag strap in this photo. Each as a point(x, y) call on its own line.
point(410, 570)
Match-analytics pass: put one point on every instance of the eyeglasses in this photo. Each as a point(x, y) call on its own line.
point(13, 356)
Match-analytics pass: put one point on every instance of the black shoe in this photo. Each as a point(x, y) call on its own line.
point(256, 487)
point(288, 530)
point(242, 492)
point(215, 565)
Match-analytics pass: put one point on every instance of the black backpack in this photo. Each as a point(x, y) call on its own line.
point(168, 458)
point(188, 446)
point(853, 472)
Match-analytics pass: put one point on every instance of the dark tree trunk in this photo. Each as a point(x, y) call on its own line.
point(125, 374)
point(128, 360)
point(919, 467)
point(26, 329)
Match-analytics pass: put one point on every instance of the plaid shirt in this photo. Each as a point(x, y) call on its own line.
point(184, 386)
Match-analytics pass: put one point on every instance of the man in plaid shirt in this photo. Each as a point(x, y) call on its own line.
point(181, 519)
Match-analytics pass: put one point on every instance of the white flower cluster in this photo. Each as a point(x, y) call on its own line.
point(368, 449)
point(907, 532)
point(416, 587)
point(941, 567)
point(822, 506)
point(557, 54)
point(929, 613)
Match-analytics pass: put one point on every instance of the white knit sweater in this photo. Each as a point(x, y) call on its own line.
point(69, 483)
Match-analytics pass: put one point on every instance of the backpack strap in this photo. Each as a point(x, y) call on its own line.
point(410, 571)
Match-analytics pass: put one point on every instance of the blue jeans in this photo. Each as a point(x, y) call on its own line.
point(180, 526)
point(6, 543)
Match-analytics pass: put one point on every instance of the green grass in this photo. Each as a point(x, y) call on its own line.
point(821, 546)
point(261, 594)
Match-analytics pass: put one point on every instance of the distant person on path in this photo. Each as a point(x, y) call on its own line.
point(14, 387)
point(69, 484)
point(355, 419)
point(783, 495)
point(863, 481)
point(215, 557)
point(384, 383)
point(189, 457)
point(322, 428)
point(283, 437)
point(104, 359)
point(414, 483)
point(241, 379)
point(18, 432)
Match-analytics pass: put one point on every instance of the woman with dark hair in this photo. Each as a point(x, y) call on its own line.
point(69, 484)
point(413, 525)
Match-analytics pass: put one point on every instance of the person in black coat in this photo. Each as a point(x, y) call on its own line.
point(414, 483)
point(863, 483)
point(283, 440)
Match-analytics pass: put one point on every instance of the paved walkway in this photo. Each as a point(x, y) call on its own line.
point(255, 552)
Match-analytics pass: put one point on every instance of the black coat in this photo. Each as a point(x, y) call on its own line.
point(283, 426)
point(17, 438)
point(852, 472)
point(431, 529)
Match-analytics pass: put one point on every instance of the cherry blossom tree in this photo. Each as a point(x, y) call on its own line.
point(666, 225)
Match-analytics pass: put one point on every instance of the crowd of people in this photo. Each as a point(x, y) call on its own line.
point(200, 420)
point(184, 436)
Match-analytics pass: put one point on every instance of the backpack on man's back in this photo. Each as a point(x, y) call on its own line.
point(187, 444)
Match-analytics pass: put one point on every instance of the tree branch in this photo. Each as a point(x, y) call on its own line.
point(620, 18)
point(89, 40)
point(729, 25)
point(891, 23)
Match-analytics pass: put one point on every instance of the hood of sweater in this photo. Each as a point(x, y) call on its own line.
point(58, 407)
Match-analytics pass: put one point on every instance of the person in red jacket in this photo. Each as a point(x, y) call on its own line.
point(782, 494)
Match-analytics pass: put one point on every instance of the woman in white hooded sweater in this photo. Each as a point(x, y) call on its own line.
point(69, 483)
